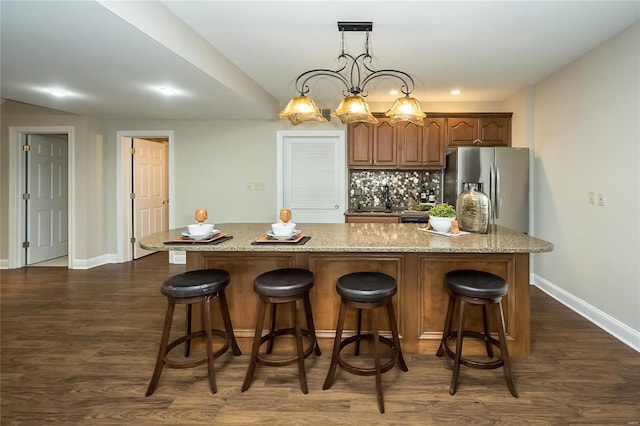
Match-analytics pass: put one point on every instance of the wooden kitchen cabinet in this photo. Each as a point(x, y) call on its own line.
point(372, 145)
point(479, 130)
point(405, 145)
point(421, 146)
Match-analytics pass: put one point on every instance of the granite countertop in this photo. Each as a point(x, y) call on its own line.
point(359, 237)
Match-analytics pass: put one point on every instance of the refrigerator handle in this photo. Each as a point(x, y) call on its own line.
point(496, 184)
point(492, 191)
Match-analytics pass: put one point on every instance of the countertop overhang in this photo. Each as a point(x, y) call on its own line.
point(359, 237)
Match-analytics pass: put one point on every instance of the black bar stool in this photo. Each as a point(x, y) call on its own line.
point(366, 290)
point(189, 288)
point(475, 288)
point(290, 286)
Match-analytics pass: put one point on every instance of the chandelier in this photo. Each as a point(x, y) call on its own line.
point(353, 108)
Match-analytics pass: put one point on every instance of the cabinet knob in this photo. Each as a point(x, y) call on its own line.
point(336, 206)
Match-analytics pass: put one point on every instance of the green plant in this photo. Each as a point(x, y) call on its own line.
point(442, 210)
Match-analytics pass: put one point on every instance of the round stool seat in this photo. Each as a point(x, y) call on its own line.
point(366, 286)
point(476, 284)
point(195, 283)
point(284, 282)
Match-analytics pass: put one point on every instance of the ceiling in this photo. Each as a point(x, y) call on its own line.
point(239, 59)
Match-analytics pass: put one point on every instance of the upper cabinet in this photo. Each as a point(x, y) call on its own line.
point(372, 145)
point(405, 145)
point(421, 146)
point(479, 130)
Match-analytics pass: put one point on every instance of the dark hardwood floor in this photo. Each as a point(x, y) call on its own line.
point(78, 347)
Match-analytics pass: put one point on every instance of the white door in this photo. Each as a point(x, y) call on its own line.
point(150, 182)
point(47, 204)
point(311, 170)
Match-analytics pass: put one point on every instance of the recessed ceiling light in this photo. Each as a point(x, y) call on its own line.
point(456, 92)
point(58, 93)
point(167, 91)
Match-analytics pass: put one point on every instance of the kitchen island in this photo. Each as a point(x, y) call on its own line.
point(416, 258)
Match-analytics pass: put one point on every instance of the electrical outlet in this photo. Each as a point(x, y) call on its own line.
point(249, 186)
point(592, 198)
point(601, 199)
point(258, 186)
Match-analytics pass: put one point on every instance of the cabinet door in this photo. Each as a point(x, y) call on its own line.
point(495, 131)
point(433, 141)
point(462, 131)
point(410, 144)
point(360, 142)
point(384, 144)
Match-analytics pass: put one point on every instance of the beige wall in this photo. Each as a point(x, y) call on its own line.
point(587, 138)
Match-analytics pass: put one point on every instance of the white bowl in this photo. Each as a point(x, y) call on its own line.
point(283, 229)
point(200, 229)
point(441, 224)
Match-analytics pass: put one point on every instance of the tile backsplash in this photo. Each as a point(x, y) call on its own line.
point(367, 187)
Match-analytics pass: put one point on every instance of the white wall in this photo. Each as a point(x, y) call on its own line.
point(89, 177)
point(213, 161)
point(587, 138)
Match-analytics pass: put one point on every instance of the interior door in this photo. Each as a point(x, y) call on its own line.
point(150, 186)
point(47, 206)
point(313, 176)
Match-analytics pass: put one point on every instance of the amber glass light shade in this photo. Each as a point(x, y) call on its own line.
point(301, 109)
point(353, 109)
point(406, 109)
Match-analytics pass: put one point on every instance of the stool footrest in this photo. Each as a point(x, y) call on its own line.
point(366, 371)
point(280, 362)
point(188, 364)
point(486, 365)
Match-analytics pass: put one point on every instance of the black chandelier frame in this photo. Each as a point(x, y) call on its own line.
point(355, 84)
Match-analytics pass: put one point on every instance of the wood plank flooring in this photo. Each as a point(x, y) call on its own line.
point(78, 348)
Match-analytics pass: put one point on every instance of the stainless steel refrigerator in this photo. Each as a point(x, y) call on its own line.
point(500, 172)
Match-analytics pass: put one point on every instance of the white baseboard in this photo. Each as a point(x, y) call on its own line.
point(93, 262)
point(4, 263)
point(620, 331)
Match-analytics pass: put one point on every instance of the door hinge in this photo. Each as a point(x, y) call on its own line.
point(25, 244)
point(26, 196)
point(26, 148)
point(132, 195)
point(133, 240)
point(132, 150)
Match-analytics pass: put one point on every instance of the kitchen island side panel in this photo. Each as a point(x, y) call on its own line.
point(420, 303)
